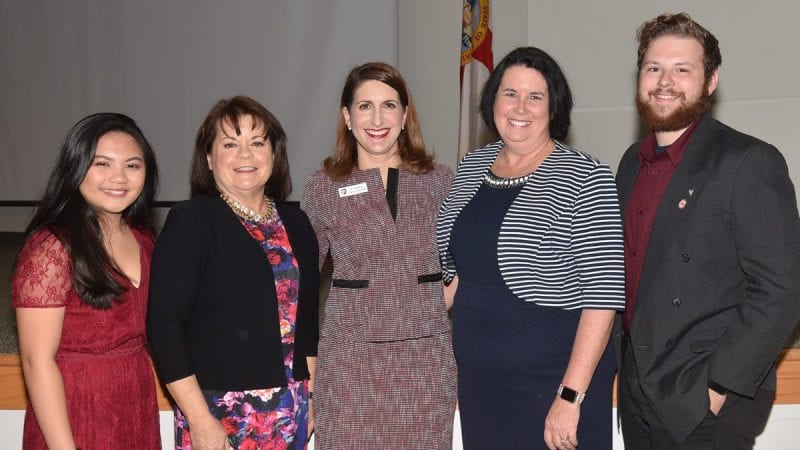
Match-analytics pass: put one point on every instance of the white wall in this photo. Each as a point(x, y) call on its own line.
point(167, 63)
point(758, 92)
point(428, 58)
point(595, 44)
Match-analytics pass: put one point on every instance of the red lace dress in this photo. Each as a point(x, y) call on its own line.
point(108, 378)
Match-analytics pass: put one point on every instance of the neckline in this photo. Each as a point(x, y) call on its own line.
point(492, 180)
point(135, 233)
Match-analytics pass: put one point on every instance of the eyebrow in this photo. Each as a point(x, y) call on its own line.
point(656, 63)
point(132, 158)
point(395, 100)
point(531, 92)
point(227, 136)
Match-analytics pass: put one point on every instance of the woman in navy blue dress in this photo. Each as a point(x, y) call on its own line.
point(531, 244)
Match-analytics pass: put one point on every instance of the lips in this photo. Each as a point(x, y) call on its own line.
point(377, 134)
point(666, 96)
point(519, 123)
point(115, 192)
point(245, 169)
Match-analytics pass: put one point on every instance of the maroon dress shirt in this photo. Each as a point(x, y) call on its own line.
point(655, 171)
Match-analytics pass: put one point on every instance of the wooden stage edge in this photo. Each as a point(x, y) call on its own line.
point(13, 395)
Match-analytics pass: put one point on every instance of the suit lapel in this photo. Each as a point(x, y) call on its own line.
point(678, 200)
point(627, 172)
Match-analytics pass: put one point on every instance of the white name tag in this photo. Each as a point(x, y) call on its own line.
point(355, 189)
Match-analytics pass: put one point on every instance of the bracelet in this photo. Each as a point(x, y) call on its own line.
point(570, 395)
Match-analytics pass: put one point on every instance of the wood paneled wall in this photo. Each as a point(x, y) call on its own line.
point(13, 395)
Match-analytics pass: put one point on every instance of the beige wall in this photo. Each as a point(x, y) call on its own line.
point(594, 42)
point(428, 57)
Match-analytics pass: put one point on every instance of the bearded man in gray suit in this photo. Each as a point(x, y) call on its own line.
point(712, 249)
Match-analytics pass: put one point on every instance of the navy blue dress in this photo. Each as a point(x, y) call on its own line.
point(512, 354)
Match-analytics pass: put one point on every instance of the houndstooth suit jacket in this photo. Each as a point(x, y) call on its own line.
point(386, 272)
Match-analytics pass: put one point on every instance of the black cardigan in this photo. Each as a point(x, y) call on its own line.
point(213, 309)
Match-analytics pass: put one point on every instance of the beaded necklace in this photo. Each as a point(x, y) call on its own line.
point(247, 213)
point(504, 183)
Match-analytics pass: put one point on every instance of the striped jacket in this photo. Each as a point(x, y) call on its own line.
point(560, 243)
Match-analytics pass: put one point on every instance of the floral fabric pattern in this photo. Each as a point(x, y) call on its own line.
point(272, 418)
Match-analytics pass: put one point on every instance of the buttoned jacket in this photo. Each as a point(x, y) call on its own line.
point(719, 291)
point(386, 281)
point(213, 307)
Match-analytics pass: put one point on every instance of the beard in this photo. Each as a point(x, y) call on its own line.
point(680, 118)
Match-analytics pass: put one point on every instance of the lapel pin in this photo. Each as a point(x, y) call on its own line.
point(682, 203)
point(691, 192)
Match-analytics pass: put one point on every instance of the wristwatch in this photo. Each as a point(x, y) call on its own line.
point(570, 395)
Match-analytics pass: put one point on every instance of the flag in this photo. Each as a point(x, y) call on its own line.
point(476, 65)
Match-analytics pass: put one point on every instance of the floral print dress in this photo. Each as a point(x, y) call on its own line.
point(271, 418)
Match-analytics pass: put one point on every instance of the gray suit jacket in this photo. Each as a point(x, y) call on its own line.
point(719, 291)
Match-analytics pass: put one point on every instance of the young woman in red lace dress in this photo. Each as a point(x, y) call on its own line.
point(80, 293)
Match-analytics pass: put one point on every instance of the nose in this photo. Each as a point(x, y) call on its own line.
point(119, 175)
point(245, 152)
point(377, 117)
point(520, 106)
point(665, 79)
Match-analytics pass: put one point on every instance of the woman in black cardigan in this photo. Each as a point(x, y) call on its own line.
point(233, 294)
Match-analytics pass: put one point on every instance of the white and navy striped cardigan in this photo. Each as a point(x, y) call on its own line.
point(560, 243)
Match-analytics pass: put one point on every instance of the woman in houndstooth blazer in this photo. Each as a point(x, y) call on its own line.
point(386, 376)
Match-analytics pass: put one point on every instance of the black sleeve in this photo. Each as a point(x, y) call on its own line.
point(176, 272)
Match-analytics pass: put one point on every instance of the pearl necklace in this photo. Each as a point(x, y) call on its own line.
point(504, 183)
point(247, 213)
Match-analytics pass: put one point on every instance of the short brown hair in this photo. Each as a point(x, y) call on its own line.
point(680, 25)
point(411, 147)
point(229, 111)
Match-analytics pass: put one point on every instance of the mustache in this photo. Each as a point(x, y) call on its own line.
point(669, 92)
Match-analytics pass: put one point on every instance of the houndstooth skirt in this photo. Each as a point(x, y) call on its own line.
point(385, 395)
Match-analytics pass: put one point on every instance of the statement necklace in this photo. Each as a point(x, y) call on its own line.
point(504, 183)
point(246, 213)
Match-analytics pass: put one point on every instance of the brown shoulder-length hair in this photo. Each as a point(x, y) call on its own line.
point(229, 112)
point(411, 147)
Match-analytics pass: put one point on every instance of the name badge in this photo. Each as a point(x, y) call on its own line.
point(354, 189)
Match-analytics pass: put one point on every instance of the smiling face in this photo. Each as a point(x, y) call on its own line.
point(522, 109)
point(673, 91)
point(241, 163)
point(376, 119)
point(116, 176)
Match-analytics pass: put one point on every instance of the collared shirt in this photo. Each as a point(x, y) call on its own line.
point(655, 172)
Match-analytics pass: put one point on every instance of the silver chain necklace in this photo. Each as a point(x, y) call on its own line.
point(504, 183)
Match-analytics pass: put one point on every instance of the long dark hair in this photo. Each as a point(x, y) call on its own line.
point(411, 147)
point(64, 212)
